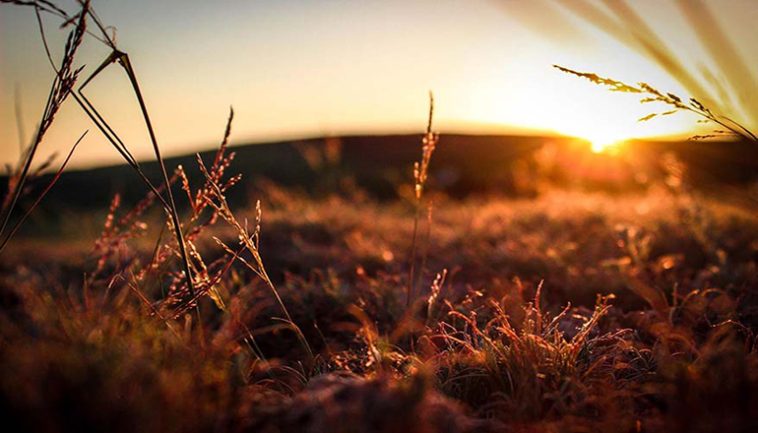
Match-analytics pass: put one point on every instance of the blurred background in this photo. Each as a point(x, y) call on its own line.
point(330, 97)
point(302, 69)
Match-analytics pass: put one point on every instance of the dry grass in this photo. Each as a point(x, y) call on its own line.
point(650, 94)
point(488, 349)
point(420, 176)
point(721, 80)
point(66, 76)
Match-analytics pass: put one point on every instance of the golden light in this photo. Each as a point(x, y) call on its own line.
point(605, 137)
point(557, 104)
point(605, 143)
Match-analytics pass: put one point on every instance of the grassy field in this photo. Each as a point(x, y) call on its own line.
point(351, 285)
point(569, 311)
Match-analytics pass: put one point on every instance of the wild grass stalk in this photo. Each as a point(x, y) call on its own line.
point(420, 176)
point(621, 21)
point(123, 60)
point(63, 86)
point(650, 94)
point(12, 231)
point(250, 241)
point(66, 76)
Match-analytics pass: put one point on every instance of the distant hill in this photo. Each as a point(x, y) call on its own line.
point(377, 163)
point(462, 164)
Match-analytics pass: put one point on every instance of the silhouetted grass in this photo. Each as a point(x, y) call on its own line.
point(650, 94)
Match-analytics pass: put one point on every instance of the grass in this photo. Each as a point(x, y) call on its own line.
point(571, 311)
point(420, 176)
point(675, 104)
point(488, 348)
point(62, 87)
point(721, 81)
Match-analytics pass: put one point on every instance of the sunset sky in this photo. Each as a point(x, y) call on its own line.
point(313, 68)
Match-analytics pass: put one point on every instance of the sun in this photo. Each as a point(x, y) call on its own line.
point(603, 146)
point(607, 142)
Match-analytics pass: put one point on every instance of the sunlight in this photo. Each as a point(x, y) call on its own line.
point(605, 143)
point(599, 147)
point(605, 137)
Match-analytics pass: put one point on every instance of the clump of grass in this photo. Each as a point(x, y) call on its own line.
point(529, 369)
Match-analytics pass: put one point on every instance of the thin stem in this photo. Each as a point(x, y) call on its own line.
point(126, 64)
point(47, 189)
point(412, 271)
point(25, 171)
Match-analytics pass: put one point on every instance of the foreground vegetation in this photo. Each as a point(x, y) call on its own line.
point(574, 311)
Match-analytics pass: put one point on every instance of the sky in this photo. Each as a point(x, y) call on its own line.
point(296, 68)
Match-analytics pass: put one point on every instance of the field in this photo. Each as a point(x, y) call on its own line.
point(564, 309)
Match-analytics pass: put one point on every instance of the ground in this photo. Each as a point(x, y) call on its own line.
point(566, 311)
